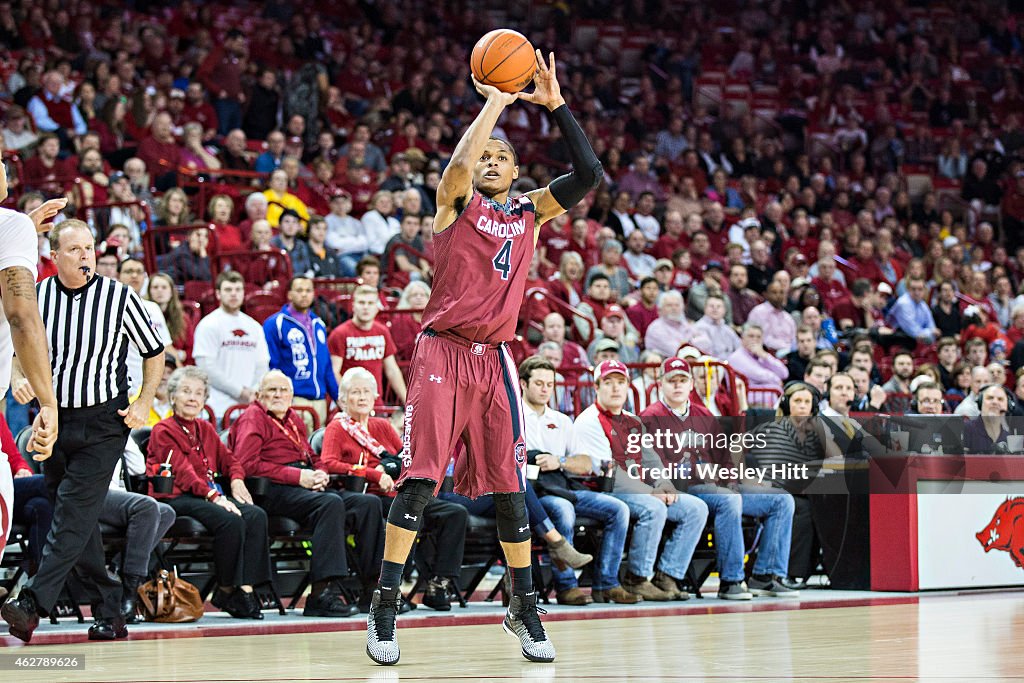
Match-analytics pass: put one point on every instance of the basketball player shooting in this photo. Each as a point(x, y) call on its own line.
point(463, 380)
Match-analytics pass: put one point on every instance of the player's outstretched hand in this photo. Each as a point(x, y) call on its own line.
point(42, 216)
point(492, 93)
point(546, 90)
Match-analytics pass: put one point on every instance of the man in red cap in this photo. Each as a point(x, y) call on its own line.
point(613, 326)
point(727, 499)
point(606, 432)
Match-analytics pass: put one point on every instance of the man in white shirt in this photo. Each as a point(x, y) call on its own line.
point(231, 347)
point(132, 273)
point(345, 234)
point(548, 434)
point(605, 432)
point(980, 376)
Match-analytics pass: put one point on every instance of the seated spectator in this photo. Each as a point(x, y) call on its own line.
point(160, 289)
point(91, 183)
point(902, 372)
point(946, 312)
point(402, 265)
point(547, 434)
point(190, 261)
point(270, 160)
point(976, 352)
point(798, 358)
point(198, 459)
point(817, 374)
point(868, 397)
point(234, 153)
point(851, 439)
point(289, 240)
point(740, 299)
point(53, 112)
point(762, 369)
point(592, 306)
point(366, 342)
point(711, 333)
point(379, 223)
point(710, 390)
point(610, 267)
point(18, 135)
point(671, 329)
point(45, 172)
point(280, 200)
point(594, 436)
point(646, 383)
point(219, 210)
point(613, 327)
point(911, 315)
point(405, 327)
point(639, 263)
point(675, 413)
point(297, 343)
point(195, 154)
point(346, 235)
point(323, 262)
point(948, 357)
point(987, 432)
point(270, 439)
point(711, 284)
point(573, 355)
point(161, 153)
point(131, 214)
point(256, 207)
point(565, 285)
point(644, 310)
point(354, 440)
point(275, 267)
point(778, 326)
point(172, 209)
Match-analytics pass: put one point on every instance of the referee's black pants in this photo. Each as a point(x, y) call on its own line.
point(329, 513)
point(89, 444)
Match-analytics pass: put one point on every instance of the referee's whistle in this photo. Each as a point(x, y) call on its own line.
point(85, 270)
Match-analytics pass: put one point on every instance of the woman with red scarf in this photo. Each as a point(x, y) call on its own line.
point(356, 443)
point(198, 458)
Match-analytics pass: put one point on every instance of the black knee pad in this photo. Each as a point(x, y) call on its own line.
point(513, 521)
point(407, 510)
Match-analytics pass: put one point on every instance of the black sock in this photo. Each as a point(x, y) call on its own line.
point(522, 579)
point(391, 574)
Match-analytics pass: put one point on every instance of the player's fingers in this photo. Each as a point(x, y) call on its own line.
point(541, 66)
point(551, 59)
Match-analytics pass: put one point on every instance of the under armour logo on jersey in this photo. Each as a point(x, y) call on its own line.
point(412, 517)
point(523, 529)
point(435, 378)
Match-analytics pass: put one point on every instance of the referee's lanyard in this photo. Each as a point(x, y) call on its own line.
point(197, 446)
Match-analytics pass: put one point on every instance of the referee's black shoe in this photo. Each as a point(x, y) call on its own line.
point(21, 615)
point(108, 629)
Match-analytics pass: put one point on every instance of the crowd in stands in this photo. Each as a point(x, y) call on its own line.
point(830, 195)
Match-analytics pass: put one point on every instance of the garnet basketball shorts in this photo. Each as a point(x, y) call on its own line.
point(460, 390)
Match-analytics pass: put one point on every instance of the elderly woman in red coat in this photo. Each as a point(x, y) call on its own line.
point(198, 461)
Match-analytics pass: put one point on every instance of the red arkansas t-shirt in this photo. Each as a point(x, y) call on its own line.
point(363, 348)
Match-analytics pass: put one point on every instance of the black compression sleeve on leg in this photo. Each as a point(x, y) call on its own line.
point(512, 518)
point(407, 510)
point(587, 172)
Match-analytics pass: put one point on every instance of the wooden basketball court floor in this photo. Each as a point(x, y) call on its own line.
point(825, 635)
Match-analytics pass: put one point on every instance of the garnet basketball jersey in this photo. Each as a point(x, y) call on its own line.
point(481, 262)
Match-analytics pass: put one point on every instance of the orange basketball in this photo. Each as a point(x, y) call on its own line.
point(505, 59)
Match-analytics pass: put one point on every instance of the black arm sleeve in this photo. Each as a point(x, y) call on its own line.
point(586, 173)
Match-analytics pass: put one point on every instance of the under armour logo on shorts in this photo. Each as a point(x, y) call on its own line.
point(478, 349)
point(523, 529)
point(435, 378)
point(412, 517)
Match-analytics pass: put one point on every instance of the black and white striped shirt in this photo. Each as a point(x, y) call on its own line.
point(89, 330)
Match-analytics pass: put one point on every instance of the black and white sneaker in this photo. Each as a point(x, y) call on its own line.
point(523, 621)
point(734, 590)
point(771, 587)
point(381, 626)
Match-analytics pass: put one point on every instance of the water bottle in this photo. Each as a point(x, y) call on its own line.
point(828, 330)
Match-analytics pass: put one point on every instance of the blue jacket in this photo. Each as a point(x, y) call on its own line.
point(306, 361)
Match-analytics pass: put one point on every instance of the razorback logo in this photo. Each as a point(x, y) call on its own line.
point(1006, 530)
point(239, 333)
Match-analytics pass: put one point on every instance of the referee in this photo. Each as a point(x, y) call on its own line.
point(90, 321)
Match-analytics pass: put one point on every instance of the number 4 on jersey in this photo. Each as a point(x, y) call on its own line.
point(503, 259)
